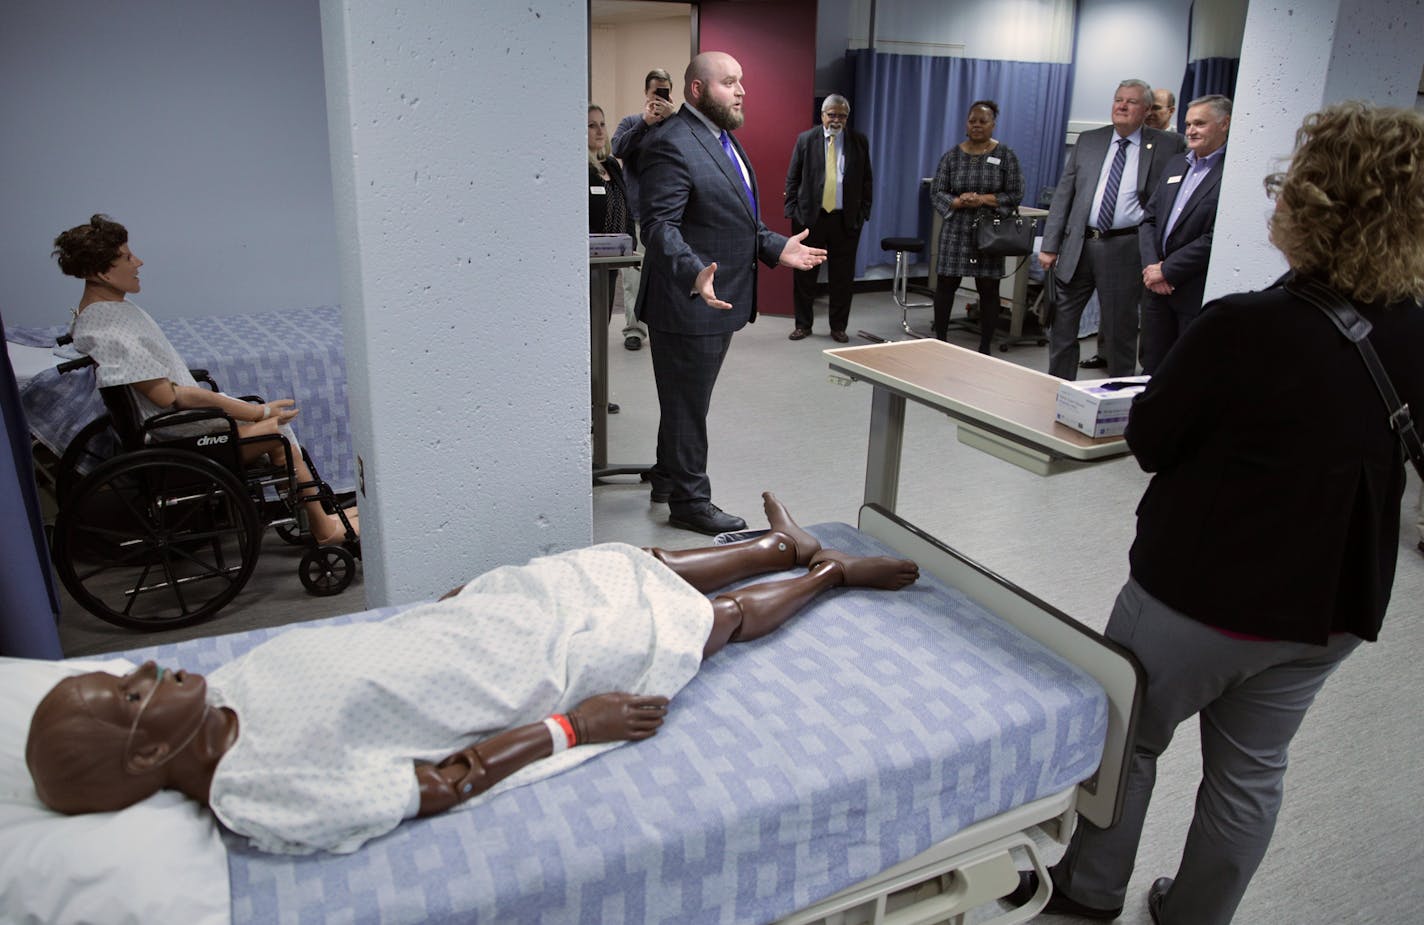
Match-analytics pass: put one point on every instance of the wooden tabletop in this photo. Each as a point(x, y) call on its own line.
point(975, 388)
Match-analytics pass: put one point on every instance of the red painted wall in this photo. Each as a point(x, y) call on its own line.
point(775, 43)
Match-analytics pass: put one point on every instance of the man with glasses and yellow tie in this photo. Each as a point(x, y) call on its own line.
point(828, 191)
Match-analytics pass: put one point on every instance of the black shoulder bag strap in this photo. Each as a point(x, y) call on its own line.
point(1356, 329)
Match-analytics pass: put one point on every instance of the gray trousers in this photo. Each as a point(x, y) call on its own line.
point(1250, 697)
point(632, 278)
point(1113, 267)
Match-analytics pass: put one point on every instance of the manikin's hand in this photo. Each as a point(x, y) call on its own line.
point(703, 285)
point(800, 257)
point(283, 409)
point(617, 717)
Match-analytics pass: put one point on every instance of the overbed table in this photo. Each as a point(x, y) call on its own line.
point(1001, 408)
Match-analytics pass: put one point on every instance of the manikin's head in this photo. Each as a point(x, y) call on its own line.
point(98, 252)
point(99, 742)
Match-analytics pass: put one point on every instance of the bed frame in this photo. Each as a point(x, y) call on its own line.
point(729, 858)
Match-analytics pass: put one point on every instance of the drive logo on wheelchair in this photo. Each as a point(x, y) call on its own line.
point(211, 440)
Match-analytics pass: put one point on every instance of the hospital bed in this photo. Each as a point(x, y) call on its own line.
point(296, 354)
point(883, 748)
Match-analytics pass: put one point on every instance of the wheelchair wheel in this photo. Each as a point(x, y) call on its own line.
point(156, 539)
point(93, 445)
point(327, 570)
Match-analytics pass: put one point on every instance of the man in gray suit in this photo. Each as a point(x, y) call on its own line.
point(703, 238)
point(1176, 231)
point(1090, 237)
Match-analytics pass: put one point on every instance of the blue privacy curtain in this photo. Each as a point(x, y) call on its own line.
point(1215, 28)
point(913, 108)
point(28, 604)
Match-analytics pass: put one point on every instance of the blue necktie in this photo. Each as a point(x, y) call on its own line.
point(1109, 207)
point(737, 169)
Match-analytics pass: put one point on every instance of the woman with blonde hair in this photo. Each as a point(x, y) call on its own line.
point(1267, 538)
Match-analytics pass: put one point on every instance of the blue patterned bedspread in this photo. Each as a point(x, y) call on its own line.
point(872, 726)
point(285, 354)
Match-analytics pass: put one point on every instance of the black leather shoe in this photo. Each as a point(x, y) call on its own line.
point(706, 517)
point(1093, 362)
point(632, 342)
point(840, 337)
point(1059, 903)
point(1421, 547)
point(799, 334)
point(659, 495)
point(1156, 895)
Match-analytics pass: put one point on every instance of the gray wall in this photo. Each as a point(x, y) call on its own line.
point(199, 125)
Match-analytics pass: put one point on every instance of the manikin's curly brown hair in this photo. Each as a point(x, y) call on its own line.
point(90, 249)
point(1348, 207)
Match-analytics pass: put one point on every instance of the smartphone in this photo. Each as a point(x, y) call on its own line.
point(664, 92)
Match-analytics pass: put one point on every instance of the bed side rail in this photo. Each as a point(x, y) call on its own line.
point(1114, 667)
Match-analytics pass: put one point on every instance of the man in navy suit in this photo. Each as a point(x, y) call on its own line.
point(834, 204)
point(1090, 237)
point(698, 205)
point(1175, 234)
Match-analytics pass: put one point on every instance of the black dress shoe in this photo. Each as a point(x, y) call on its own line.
point(705, 517)
point(799, 334)
point(840, 337)
point(1421, 546)
point(1059, 903)
point(632, 342)
point(1156, 895)
point(659, 495)
point(1093, 362)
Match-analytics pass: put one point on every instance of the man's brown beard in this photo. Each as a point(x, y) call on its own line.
point(721, 116)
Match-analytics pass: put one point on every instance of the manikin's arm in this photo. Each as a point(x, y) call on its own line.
point(165, 393)
point(611, 717)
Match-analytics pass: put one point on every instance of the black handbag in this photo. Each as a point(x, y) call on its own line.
point(1356, 329)
point(1004, 235)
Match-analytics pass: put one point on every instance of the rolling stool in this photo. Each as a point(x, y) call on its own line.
point(900, 287)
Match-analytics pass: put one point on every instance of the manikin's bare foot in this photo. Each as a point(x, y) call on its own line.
point(881, 572)
point(780, 520)
point(327, 530)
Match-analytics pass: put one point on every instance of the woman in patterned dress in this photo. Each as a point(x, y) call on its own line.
point(976, 178)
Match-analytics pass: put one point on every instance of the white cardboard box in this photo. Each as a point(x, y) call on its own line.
point(1098, 407)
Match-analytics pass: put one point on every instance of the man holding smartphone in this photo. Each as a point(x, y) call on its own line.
point(627, 139)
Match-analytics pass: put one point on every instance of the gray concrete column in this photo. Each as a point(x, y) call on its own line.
point(456, 145)
point(1295, 58)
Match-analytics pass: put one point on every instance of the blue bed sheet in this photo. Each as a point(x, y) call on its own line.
point(285, 354)
point(872, 726)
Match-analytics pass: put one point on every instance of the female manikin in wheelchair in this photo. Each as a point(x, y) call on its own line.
point(130, 349)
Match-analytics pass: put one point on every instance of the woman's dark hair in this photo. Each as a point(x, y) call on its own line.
point(987, 104)
point(88, 250)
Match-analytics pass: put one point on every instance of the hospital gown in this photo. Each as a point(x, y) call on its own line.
point(331, 719)
point(128, 346)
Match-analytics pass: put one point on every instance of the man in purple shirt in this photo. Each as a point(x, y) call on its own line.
point(1176, 229)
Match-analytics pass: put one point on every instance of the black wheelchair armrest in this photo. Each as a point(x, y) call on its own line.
point(186, 416)
point(202, 376)
point(77, 363)
point(254, 399)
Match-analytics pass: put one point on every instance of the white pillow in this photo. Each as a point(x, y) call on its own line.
point(161, 860)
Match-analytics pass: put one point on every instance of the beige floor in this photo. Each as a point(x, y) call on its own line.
point(1347, 844)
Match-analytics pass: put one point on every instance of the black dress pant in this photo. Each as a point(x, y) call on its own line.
point(828, 231)
point(685, 369)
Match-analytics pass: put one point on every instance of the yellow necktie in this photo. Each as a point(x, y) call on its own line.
point(828, 192)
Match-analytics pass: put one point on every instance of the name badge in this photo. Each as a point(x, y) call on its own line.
point(1171, 180)
point(992, 160)
point(601, 191)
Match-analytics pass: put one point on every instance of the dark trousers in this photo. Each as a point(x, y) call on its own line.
point(989, 304)
point(827, 231)
point(1162, 324)
point(685, 369)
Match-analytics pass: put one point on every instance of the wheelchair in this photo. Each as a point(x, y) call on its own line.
point(160, 522)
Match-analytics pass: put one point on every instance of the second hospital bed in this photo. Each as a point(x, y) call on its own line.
point(878, 741)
